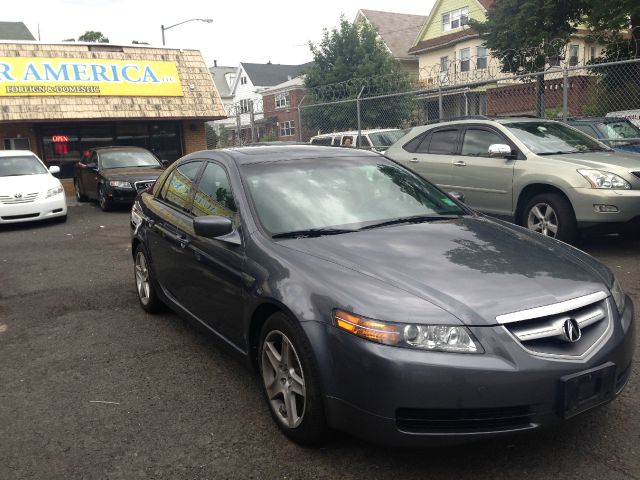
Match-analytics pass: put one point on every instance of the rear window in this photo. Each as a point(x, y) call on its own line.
point(321, 141)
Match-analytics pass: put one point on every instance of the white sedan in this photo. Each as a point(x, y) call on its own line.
point(28, 190)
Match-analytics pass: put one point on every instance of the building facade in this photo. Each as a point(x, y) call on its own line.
point(281, 117)
point(60, 99)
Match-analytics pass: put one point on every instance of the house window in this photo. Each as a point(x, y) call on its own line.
point(592, 53)
point(455, 19)
point(245, 106)
point(243, 80)
point(481, 62)
point(465, 54)
point(573, 55)
point(282, 100)
point(444, 69)
point(287, 128)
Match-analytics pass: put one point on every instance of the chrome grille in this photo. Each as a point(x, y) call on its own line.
point(13, 200)
point(541, 331)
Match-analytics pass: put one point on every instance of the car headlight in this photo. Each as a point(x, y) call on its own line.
point(119, 184)
point(439, 338)
point(55, 191)
point(601, 179)
point(618, 295)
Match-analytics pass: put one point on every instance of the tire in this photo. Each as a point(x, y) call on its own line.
point(290, 381)
point(79, 195)
point(551, 214)
point(104, 202)
point(146, 287)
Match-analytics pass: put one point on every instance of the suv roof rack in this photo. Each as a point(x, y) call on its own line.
point(467, 117)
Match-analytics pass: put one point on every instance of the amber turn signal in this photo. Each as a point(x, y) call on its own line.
point(373, 330)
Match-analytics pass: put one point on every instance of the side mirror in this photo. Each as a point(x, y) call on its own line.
point(499, 150)
point(458, 196)
point(54, 169)
point(211, 226)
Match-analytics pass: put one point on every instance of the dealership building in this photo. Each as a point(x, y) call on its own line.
point(59, 100)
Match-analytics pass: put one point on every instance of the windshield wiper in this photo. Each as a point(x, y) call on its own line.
point(412, 219)
point(560, 152)
point(312, 232)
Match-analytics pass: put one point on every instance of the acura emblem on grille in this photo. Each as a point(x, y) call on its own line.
point(571, 330)
point(18, 195)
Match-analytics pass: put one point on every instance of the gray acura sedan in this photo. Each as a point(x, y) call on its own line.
point(372, 302)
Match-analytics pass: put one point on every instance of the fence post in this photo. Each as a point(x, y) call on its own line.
point(358, 114)
point(440, 116)
point(300, 118)
point(565, 94)
point(540, 95)
point(239, 127)
point(252, 121)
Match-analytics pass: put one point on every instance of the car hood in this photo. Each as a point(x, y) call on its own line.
point(474, 268)
point(25, 184)
point(132, 174)
point(601, 160)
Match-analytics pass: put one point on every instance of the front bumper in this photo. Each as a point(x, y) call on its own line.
point(121, 195)
point(404, 397)
point(584, 200)
point(40, 209)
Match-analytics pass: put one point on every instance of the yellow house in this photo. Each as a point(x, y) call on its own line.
point(450, 53)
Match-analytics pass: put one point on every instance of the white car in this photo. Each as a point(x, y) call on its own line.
point(28, 190)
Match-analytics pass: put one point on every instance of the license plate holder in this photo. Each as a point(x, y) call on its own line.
point(584, 390)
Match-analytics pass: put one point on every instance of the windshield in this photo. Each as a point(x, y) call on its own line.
point(382, 140)
point(292, 196)
point(128, 158)
point(21, 165)
point(619, 130)
point(546, 138)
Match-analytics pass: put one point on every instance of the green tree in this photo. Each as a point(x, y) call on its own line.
point(93, 37)
point(351, 61)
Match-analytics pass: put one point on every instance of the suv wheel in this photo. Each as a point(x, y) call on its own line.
point(290, 382)
point(551, 214)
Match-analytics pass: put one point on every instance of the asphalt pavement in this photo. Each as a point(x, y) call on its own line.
point(91, 387)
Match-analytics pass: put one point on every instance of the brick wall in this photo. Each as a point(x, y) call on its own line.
point(194, 136)
point(274, 116)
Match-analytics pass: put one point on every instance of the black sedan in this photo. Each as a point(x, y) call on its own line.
point(115, 175)
point(372, 302)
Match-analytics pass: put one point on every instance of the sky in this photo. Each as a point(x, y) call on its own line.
point(242, 30)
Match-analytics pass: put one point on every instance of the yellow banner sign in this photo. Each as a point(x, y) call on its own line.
point(88, 77)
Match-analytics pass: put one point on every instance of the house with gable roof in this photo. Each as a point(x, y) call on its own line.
point(243, 89)
point(398, 32)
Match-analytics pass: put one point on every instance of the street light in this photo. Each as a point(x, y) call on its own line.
point(163, 28)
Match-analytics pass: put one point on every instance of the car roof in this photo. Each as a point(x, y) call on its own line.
point(119, 147)
point(275, 153)
point(17, 153)
point(355, 132)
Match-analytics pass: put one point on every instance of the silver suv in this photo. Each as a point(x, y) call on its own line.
point(540, 174)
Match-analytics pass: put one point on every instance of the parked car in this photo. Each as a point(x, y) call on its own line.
point(114, 175)
point(372, 302)
point(612, 131)
point(540, 174)
point(28, 190)
point(378, 140)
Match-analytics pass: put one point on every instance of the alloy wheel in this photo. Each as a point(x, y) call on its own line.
point(101, 198)
point(543, 219)
point(283, 379)
point(142, 278)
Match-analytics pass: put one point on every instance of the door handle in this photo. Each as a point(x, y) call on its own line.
point(414, 160)
point(460, 163)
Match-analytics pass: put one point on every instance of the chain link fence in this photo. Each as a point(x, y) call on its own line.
point(565, 90)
